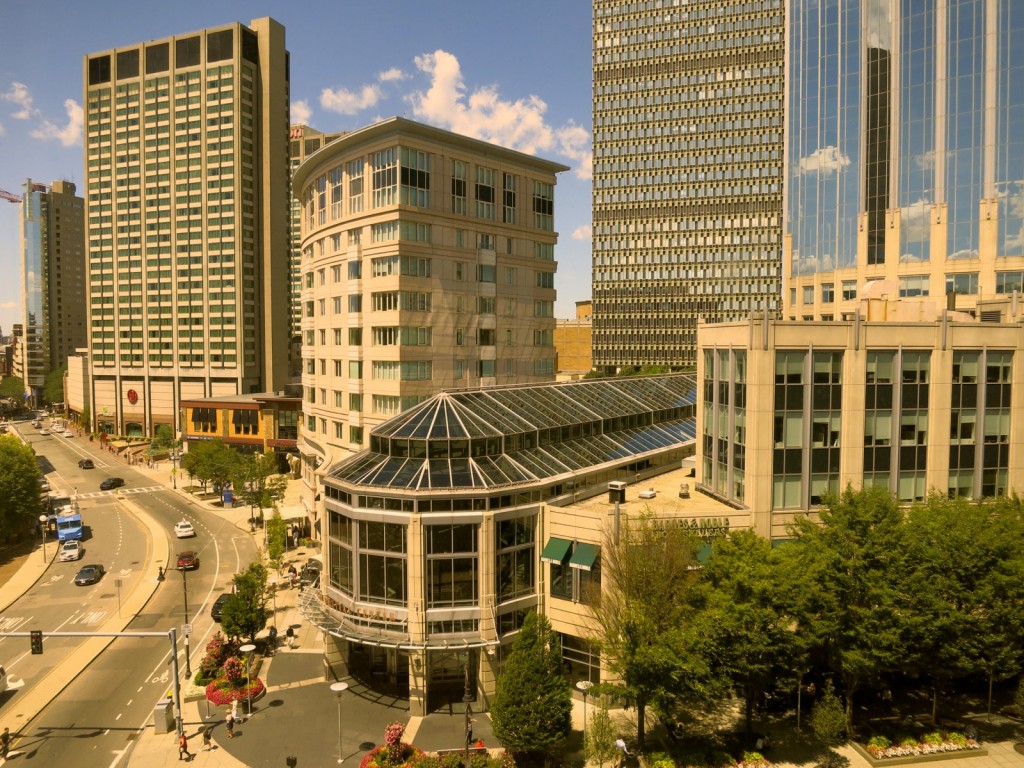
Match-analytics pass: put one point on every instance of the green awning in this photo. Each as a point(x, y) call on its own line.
point(555, 551)
point(704, 553)
point(584, 557)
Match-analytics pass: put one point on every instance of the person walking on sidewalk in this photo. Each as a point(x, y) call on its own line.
point(5, 743)
point(207, 739)
point(290, 634)
point(229, 725)
point(183, 752)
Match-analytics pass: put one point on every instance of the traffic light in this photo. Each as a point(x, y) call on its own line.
point(37, 641)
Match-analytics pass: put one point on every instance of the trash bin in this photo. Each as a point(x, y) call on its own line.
point(163, 716)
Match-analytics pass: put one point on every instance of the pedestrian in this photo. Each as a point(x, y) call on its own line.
point(5, 743)
point(272, 639)
point(234, 710)
point(183, 752)
point(290, 635)
point(207, 739)
point(230, 726)
point(293, 576)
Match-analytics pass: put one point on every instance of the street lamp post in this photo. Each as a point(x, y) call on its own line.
point(174, 469)
point(584, 686)
point(339, 688)
point(184, 588)
point(247, 649)
point(273, 592)
point(42, 524)
point(467, 698)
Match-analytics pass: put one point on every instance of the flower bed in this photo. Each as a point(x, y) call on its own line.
point(930, 746)
point(223, 691)
point(709, 759)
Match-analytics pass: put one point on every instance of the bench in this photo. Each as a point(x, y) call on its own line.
point(461, 750)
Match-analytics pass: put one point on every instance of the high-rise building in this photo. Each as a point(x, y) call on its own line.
point(187, 221)
point(428, 262)
point(688, 160)
point(303, 141)
point(53, 275)
point(905, 160)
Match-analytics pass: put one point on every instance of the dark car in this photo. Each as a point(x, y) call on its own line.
point(218, 606)
point(89, 574)
point(309, 576)
point(111, 483)
point(86, 464)
point(188, 561)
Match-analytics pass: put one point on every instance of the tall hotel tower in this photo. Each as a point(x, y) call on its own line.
point(905, 168)
point(688, 159)
point(187, 220)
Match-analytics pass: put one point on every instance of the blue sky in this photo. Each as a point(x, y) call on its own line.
point(517, 74)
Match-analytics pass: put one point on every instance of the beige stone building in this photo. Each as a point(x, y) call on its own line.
point(902, 394)
point(428, 262)
point(186, 162)
point(574, 343)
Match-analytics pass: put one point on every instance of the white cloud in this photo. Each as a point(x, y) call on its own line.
point(20, 95)
point(2, 129)
point(825, 161)
point(583, 232)
point(926, 160)
point(300, 112)
point(916, 221)
point(392, 75)
point(484, 114)
point(70, 134)
point(346, 102)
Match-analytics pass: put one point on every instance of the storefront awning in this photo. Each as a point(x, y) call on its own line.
point(555, 551)
point(583, 557)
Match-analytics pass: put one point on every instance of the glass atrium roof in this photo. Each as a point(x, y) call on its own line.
point(501, 436)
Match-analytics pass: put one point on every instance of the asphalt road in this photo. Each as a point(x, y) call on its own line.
point(93, 720)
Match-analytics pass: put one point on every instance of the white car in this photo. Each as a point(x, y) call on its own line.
point(44, 431)
point(71, 550)
point(184, 529)
point(68, 433)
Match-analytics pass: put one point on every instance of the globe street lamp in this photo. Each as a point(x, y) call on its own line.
point(339, 688)
point(467, 697)
point(42, 524)
point(247, 649)
point(584, 686)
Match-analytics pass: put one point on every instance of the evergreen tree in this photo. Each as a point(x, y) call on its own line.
point(532, 703)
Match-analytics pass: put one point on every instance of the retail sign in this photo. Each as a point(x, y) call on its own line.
point(133, 396)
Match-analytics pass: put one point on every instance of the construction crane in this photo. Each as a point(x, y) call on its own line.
point(10, 197)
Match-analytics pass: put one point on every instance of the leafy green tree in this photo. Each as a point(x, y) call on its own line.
point(532, 701)
point(854, 601)
point(86, 418)
point(644, 617)
point(12, 387)
point(164, 440)
point(20, 503)
point(211, 461)
point(828, 721)
point(276, 533)
point(53, 385)
point(256, 481)
point(245, 614)
point(743, 608)
point(599, 744)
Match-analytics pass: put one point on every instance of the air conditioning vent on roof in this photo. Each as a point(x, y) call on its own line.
point(991, 316)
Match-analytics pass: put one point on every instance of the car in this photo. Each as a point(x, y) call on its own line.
point(309, 576)
point(68, 433)
point(37, 424)
point(89, 574)
point(188, 561)
point(217, 610)
point(111, 483)
point(44, 431)
point(71, 550)
point(86, 464)
point(44, 484)
point(184, 529)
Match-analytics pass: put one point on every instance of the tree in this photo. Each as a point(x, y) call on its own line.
point(211, 462)
point(245, 614)
point(20, 503)
point(13, 387)
point(276, 533)
point(854, 573)
point(256, 482)
point(532, 701)
point(599, 744)
point(827, 718)
point(743, 610)
point(53, 386)
point(643, 616)
point(164, 440)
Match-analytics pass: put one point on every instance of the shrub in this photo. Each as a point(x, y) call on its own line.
point(957, 738)
point(451, 760)
point(879, 742)
point(234, 669)
point(223, 691)
point(828, 720)
point(754, 758)
point(933, 738)
point(908, 742)
point(428, 761)
point(661, 760)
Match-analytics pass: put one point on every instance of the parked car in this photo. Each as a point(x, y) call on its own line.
point(44, 484)
point(188, 561)
point(218, 606)
point(44, 431)
point(86, 464)
point(89, 574)
point(71, 550)
point(111, 483)
point(68, 433)
point(184, 529)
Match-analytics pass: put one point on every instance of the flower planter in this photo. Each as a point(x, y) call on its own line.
point(922, 753)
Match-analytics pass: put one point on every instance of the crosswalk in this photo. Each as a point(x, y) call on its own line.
point(124, 491)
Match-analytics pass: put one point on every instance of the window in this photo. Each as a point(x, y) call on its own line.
point(543, 206)
point(849, 290)
point(355, 186)
point(355, 269)
point(543, 309)
point(962, 283)
point(510, 275)
point(1008, 282)
point(382, 560)
point(383, 232)
point(485, 305)
point(385, 177)
point(913, 285)
point(828, 293)
point(458, 270)
point(808, 294)
point(452, 565)
point(415, 178)
point(355, 302)
point(485, 273)
point(485, 337)
point(508, 198)
point(545, 279)
point(544, 367)
point(515, 549)
point(485, 368)
point(485, 178)
point(543, 338)
point(355, 369)
point(458, 188)
point(459, 337)
point(334, 178)
point(355, 435)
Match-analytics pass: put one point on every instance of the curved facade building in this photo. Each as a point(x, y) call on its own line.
point(456, 523)
point(905, 162)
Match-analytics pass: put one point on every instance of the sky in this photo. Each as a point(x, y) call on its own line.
point(515, 74)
